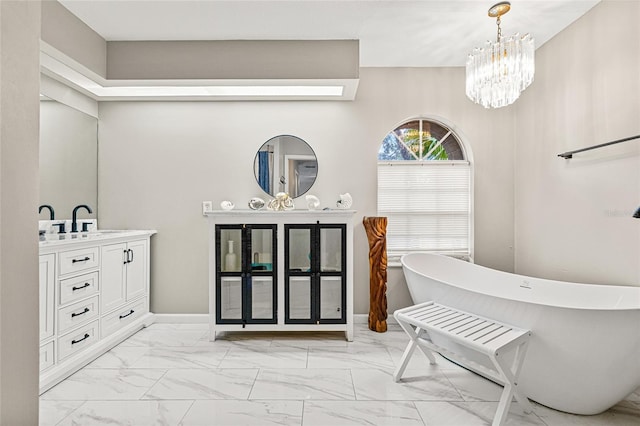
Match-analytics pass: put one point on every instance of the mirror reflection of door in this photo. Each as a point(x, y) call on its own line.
point(285, 163)
point(301, 172)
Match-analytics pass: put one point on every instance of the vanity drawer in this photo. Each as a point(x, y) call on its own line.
point(123, 316)
point(79, 287)
point(78, 260)
point(77, 314)
point(46, 356)
point(77, 340)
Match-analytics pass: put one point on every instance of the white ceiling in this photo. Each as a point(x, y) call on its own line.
point(398, 33)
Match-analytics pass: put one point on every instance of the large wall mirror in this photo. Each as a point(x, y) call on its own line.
point(285, 163)
point(68, 159)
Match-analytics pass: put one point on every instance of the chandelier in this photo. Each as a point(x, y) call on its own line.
point(499, 71)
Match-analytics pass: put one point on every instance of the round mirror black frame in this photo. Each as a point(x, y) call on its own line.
point(295, 170)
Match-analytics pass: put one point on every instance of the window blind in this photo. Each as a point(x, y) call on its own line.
point(427, 205)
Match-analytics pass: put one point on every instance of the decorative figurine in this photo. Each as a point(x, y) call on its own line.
point(313, 202)
point(256, 203)
point(282, 202)
point(345, 201)
point(227, 205)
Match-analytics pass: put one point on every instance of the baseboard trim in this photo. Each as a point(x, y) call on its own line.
point(364, 319)
point(204, 318)
point(360, 318)
point(181, 318)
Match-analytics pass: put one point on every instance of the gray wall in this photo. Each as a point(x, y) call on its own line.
point(232, 59)
point(65, 32)
point(19, 106)
point(573, 217)
point(159, 160)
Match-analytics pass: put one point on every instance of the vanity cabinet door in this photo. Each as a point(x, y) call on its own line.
point(113, 280)
point(124, 273)
point(47, 304)
point(136, 266)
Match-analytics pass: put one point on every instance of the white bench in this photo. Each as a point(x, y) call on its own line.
point(482, 335)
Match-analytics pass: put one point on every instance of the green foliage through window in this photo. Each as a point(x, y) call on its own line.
point(420, 140)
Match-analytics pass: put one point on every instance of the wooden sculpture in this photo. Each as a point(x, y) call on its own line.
point(376, 228)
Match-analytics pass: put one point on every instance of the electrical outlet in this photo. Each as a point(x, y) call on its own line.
point(207, 206)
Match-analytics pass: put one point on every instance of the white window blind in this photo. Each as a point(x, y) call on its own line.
point(427, 205)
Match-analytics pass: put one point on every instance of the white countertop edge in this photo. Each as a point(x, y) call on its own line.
point(264, 212)
point(94, 237)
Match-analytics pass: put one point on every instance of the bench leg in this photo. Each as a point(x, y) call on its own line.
point(406, 356)
point(411, 347)
point(503, 407)
point(521, 350)
point(428, 353)
point(510, 377)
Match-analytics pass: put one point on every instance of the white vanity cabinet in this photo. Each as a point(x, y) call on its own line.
point(126, 267)
point(94, 293)
point(77, 264)
point(291, 270)
point(47, 310)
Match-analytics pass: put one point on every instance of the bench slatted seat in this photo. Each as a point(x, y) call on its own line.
point(482, 335)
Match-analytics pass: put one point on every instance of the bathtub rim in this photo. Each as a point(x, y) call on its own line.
point(624, 305)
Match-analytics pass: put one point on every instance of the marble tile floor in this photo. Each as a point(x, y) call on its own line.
point(171, 374)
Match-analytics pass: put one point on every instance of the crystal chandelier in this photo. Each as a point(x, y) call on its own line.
point(499, 71)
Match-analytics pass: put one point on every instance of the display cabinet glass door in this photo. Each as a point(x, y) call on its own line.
point(246, 274)
point(315, 263)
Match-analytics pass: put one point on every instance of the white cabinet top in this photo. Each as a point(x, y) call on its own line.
point(290, 216)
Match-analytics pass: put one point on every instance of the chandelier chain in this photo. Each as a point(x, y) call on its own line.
point(499, 29)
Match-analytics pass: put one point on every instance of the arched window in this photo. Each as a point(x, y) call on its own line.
point(424, 189)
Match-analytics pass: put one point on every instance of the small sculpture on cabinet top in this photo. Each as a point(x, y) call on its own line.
point(313, 202)
point(227, 205)
point(282, 202)
point(256, 203)
point(345, 202)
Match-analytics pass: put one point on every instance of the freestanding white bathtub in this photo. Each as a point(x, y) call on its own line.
point(584, 352)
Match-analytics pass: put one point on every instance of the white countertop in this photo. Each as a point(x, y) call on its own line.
point(93, 236)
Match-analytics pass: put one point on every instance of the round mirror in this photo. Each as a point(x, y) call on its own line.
point(285, 163)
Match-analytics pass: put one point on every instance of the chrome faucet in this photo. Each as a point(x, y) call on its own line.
point(74, 222)
point(51, 212)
